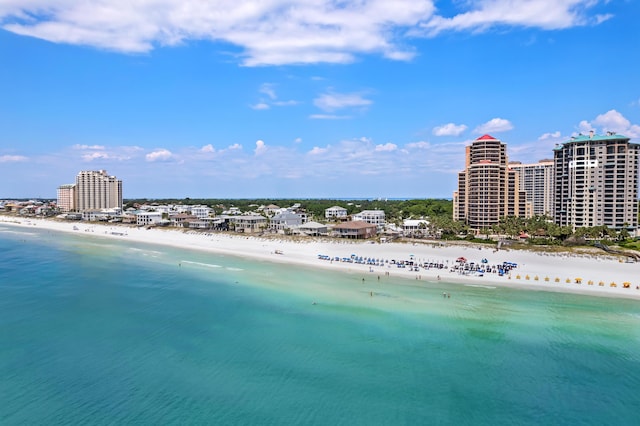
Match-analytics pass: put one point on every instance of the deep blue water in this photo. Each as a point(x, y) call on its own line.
point(100, 332)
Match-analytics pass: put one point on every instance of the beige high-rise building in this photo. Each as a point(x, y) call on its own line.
point(97, 190)
point(596, 182)
point(66, 198)
point(487, 189)
point(536, 180)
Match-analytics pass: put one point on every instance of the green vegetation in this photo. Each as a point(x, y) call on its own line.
point(541, 230)
point(395, 210)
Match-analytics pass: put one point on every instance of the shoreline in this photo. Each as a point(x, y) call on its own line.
point(535, 271)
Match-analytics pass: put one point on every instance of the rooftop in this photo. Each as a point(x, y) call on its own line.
point(610, 136)
point(486, 138)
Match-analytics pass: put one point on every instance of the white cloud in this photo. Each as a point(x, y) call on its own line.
point(12, 158)
point(317, 150)
point(449, 129)
point(297, 140)
point(386, 147)
point(584, 126)
point(159, 155)
point(602, 18)
point(208, 148)
point(268, 32)
point(613, 121)
point(261, 147)
point(260, 106)
point(329, 117)
point(495, 125)
point(545, 14)
point(82, 147)
point(234, 147)
point(286, 103)
point(268, 89)
point(418, 145)
point(554, 135)
point(334, 101)
point(96, 156)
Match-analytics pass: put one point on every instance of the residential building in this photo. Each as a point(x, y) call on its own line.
point(536, 180)
point(97, 190)
point(375, 217)
point(201, 212)
point(286, 220)
point(355, 230)
point(182, 219)
point(66, 198)
point(147, 218)
point(336, 212)
point(249, 223)
point(415, 227)
point(313, 229)
point(487, 189)
point(596, 182)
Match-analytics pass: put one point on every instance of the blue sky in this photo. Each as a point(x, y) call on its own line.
point(307, 98)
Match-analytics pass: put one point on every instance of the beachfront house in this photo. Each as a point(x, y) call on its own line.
point(415, 227)
point(182, 219)
point(148, 218)
point(95, 215)
point(313, 229)
point(355, 229)
point(286, 220)
point(201, 212)
point(250, 223)
point(335, 212)
point(374, 217)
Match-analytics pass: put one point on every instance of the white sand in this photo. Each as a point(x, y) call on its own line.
point(594, 268)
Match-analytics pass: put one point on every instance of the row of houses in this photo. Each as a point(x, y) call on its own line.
point(270, 219)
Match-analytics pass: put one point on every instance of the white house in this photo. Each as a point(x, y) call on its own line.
point(412, 226)
point(335, 212)
point(374, 217)
point(148, 218)
point(201, 212)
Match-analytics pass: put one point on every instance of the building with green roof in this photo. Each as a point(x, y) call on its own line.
point(596, 182)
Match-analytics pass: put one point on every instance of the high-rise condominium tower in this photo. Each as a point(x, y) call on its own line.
point(66, 197)
point(536, 180)
point(97, 190)
point(596, 182)
point(487, 189)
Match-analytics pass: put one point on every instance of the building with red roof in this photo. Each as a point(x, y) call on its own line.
point(487, 189)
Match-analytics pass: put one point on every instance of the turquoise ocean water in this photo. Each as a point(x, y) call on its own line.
point(97, 331)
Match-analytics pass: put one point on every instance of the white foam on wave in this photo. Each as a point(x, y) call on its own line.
point(9, 231)
point(235, 269)
point(490, 287)
point(206, 265)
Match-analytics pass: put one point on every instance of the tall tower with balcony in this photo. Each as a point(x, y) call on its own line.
point(596, 182)
point(488, 189)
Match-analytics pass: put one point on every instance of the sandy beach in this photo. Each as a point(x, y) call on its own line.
point(591, 274)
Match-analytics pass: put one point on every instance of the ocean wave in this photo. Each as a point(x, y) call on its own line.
point(206, 265)
point(9, 231)
point(490, 287)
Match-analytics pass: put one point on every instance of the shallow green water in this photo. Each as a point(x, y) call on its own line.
point(95, 331)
